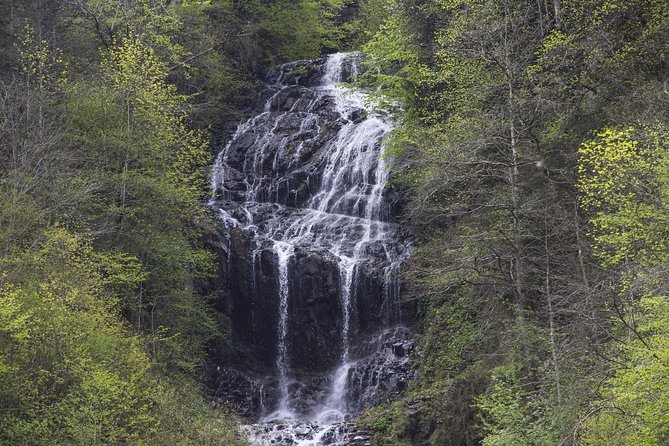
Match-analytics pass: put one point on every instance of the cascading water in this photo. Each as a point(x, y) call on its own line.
point(301, 189)
point(284, 251)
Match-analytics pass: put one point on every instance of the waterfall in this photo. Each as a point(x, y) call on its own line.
point(305, 179)
point(283, 251)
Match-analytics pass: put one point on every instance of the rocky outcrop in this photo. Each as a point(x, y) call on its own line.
point(384, 370)
point(309, 257)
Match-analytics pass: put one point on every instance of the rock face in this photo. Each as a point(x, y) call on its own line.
point(309, 255)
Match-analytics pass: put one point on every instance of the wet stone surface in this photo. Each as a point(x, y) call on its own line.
point(310, 260)
point(307, 434)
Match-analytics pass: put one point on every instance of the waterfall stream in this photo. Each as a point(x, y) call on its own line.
point(303, 183)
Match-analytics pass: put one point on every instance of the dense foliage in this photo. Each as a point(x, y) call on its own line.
point(105, 108)
point(532, 149)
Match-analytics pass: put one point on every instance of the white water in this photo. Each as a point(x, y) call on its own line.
point(284, 252)
point(344, 217)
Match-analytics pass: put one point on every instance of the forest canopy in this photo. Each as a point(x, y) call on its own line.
point(530, 150)
point(107, 110)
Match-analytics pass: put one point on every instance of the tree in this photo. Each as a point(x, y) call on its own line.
point(491, 122)
point(624, 185)
point(31, 134)
point(635, 400)
point(145, 163)
point(70, 370)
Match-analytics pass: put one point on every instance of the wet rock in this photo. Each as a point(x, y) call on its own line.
point(399, 350)
point(306, 171)
point(357, 116)
point(382, 374)
point(302, 431)
point(294, 434)
point(247, 394)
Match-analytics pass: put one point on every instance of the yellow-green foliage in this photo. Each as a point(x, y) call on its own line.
point(156, 114)
point(110, 154)
point(71, 373)
point(624, 185)
point(396, 59)
point(372, 15)
point(636, 399)
point(388, 424)
point(41, 67)
point(512, 414)
point(154, 22)
point(146, 188)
